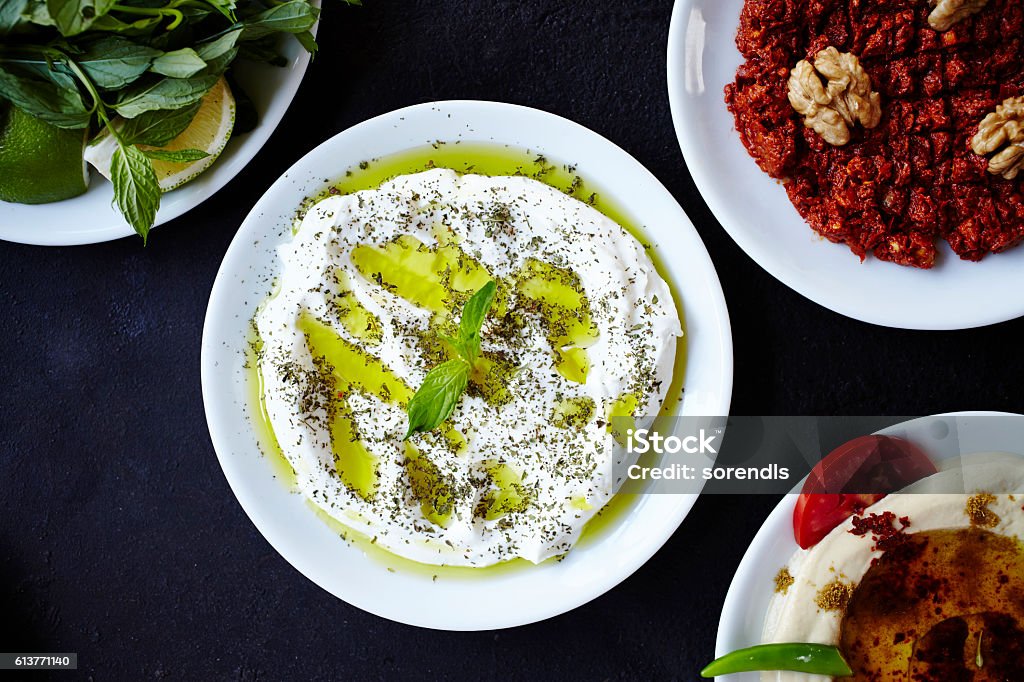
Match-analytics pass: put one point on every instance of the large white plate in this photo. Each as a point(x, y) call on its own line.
point(92, 217)
point(746, 603)
point(496, 599)
point(757, 214)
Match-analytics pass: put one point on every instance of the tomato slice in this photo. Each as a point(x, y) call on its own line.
point(851, 478)
point(817, 514)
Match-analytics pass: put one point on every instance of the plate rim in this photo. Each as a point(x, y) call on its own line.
point(220, 436)
point(798, 281)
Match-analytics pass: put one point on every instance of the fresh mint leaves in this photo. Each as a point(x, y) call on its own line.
point(176, 156)
point(48, 95)
point(473, 315)
point(136, 189)
point(74, 16)
point(166, 93)
point(157, 128)
point(183, 63)
point(10, 14)
point(113, 62)
point(436, 398)
point(84, 63)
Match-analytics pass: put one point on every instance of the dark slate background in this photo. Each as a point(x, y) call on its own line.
point(119, 538)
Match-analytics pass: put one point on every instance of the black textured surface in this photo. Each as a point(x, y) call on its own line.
point(119, 538)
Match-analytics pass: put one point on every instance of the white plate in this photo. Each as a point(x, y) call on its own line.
point(494, 600)
point(746, 603)
point(756, 212)
point(92, 217)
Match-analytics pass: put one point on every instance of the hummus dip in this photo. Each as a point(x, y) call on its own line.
point(582, 328)
point(814, 589)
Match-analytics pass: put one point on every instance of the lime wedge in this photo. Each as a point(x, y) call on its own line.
point(209, 131)
point(39, 163)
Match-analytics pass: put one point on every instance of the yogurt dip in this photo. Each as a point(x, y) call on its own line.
point(583, 328)
point(815, 589)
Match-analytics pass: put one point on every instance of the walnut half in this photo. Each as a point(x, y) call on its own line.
point(830, 109)
point(1002, 131)
point(947, 13)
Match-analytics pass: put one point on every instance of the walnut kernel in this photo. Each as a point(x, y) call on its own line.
point(1002, 131)
point(831, 108)
point(947, 13)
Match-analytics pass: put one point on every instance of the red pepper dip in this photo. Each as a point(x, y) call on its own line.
point(897, 189)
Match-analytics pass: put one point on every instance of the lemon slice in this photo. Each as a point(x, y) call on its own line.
point(209, 131)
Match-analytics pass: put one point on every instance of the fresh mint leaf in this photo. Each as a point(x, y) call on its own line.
point(158, 127)
point(40, 68)
point(218, 66)
point(176, 156)
point(193, 15)
point(225, 7)
point(437, 396)
point(74, 16)
point(166, 93)
point(136, 189)
point(467, 342)
point(296, 16)
point(36, 13)
point(215, 47)
point(10, 14)
point(473, 314)
point(55, 99)
point(182, 63)
point(111, 24)
point(114, 62)
point(459, 346)
point(308, 42)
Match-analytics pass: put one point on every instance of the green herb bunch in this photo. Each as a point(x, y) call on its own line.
point(82, 63)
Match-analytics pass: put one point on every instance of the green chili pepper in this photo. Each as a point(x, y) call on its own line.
point(817, 659)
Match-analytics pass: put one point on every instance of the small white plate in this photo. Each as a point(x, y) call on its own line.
point(756, 212)
point(746, 603)
point(92, 217)
point(494, 599)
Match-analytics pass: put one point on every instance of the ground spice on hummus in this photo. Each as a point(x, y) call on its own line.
point(978, 512)
point(783, 580)
point(834, 596)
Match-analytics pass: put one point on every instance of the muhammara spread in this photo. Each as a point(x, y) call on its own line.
point(894, 124)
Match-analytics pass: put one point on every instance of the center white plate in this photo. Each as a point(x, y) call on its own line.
point(495, 599)
point(757, 214)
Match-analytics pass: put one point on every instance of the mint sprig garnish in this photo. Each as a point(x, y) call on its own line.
point(437, 396)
